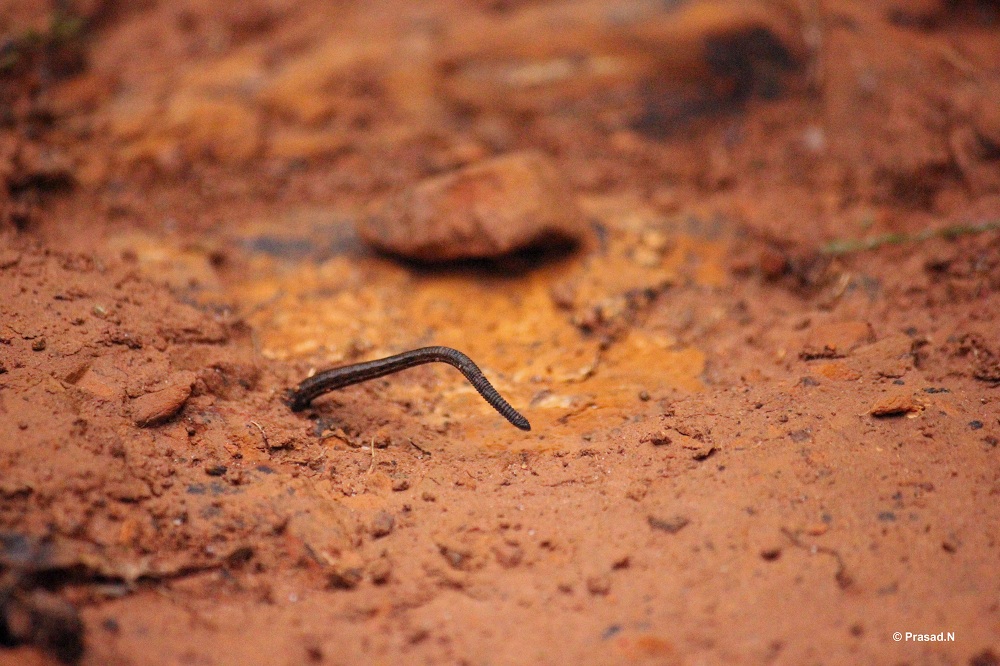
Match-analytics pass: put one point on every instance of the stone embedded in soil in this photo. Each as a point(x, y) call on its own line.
point(382, 524)
point(346, 572)
point(837, 371)
point(771, 553)
point(508, 554)
point(895, 404)
point(699, 449)
point(485, 210)
point(9, 258)
point(637, 490)
point(836, 340)
point(599, 585)
point(816, 529)
point(380, 570)
point(890, 357)
point(658, 438)
point(703, 452)
point(773, 263)
point(158, 406)
point(671, 525)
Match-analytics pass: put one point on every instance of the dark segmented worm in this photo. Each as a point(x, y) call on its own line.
point(336, 378)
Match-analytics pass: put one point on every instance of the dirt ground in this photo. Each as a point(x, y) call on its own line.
point(763, 384)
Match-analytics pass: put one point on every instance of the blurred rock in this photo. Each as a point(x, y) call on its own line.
point(579, 50)
point(381, 524)
point(836, 340)
point(485, 210)
point(38, 166)
point(223, 128)
point(301, 90)
point(346, 572)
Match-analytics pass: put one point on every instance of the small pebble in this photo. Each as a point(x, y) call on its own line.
point(658, 438)
point(836, 339)
point(158, 406)
point(9, 258)
point(671, 525)
point(382, 524)
point(599, 585)
point(704, 452)
point(380, 571)
point(770, 554)
point(817, 529)
point(508, 555)
point(347, 572)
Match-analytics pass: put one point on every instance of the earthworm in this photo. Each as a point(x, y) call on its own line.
point(335, 378)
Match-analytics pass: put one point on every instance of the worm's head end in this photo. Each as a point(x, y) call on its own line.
point(294, 400)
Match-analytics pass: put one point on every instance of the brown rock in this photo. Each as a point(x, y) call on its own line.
point(671, 525)
point(837, 340)
point(773, 263)
point(658, 438)
point(158, 406)
point(817, 529)
point(637, 490)
point(508, 554)
point(889, 357)
point(895, 404)
point(599, 585)
point(771, 553)
point(382, 524)
point(703, 452)
point(838, 371)
point(484, 210)
point(346, 571)
point(380, 570)
point(300, 91)
point(9, 258)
